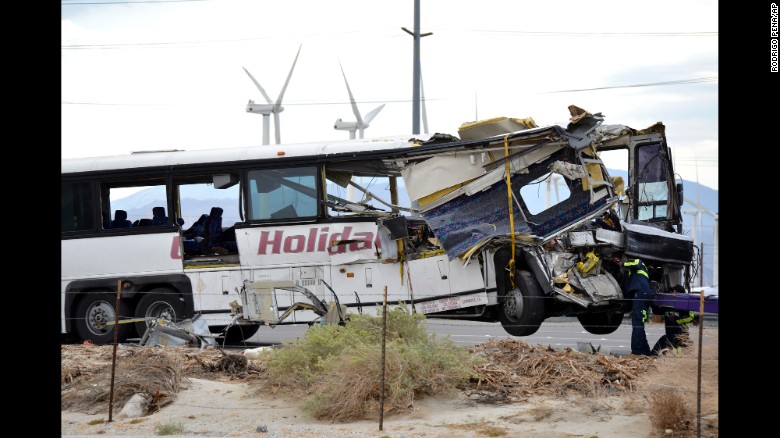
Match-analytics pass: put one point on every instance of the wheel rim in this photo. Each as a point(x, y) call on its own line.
point(161, 310)
point(99, 314)
point(513, 306)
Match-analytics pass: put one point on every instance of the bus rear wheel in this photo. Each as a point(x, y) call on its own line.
point(160, 303)
point(94, 312)
point(602, 323)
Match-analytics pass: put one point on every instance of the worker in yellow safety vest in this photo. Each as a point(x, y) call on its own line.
point(636, 287)
point(676, 337)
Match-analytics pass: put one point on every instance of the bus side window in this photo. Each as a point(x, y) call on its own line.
point(288, 193)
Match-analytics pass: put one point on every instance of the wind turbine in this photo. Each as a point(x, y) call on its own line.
point(555, 181)
point(697, 212)
point(270, 108)
point(360, 124)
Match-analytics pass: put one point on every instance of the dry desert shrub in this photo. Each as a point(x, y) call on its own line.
point(340, 368)
point(669, 411)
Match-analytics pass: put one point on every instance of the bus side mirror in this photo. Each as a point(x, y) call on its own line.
point(679, 194)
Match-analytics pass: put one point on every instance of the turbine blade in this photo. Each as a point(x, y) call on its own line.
point(351, 98)
point(257, 84)
point(279, 100)
point(370, 116)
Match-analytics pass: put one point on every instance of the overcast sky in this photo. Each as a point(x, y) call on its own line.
point(149, 75)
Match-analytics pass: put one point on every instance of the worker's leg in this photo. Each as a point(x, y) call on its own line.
point(639, 316)
point(664, 342)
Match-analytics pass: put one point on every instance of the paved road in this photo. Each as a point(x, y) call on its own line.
point(557, 333)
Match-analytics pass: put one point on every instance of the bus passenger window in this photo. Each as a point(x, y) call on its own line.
point(77, 208)
point(283, 193)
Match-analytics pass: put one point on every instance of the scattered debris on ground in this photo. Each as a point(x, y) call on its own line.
point(514, 370)
point(154, 371)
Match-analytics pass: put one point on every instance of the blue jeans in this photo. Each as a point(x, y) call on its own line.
point(639, 316)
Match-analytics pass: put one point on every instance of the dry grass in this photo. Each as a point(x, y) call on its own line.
point(479, 428)
point(669, 411)
point(169, 429)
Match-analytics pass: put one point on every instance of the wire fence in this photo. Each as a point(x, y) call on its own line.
point(371, 303)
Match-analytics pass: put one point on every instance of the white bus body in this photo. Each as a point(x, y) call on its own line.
point(293, 246)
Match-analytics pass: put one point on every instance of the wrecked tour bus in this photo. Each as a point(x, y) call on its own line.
point(453, 227)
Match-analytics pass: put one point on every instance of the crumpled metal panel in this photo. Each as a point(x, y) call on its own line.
point(646, 242)
point(560, 261)
point(189, 332)
point(600, 287)
point(468, 220)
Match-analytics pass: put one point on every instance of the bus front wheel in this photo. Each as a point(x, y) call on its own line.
point(160, 303)
point(94, 312)
point(522, 310)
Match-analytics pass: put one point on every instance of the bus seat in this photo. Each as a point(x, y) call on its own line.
point(159, 217)
point(196, 230)
point(120, 220)
point(193, 234)
point(212, 228)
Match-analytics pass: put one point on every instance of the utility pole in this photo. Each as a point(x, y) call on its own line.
point(416, 68)
point(715, 255)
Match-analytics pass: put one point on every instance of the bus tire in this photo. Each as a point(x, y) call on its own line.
point(237, 334)
point(602, 323)
point(522, 311)
point(93, 312)
point(160, 303)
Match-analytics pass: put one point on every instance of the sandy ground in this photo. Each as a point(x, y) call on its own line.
point(233, 408)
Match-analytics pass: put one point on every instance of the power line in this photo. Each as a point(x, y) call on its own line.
point(234, 104)
point(610, 34)
point(677, 82)
point(67, 3)
point(171, 44)
point(650, 84)
point(189, 44)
